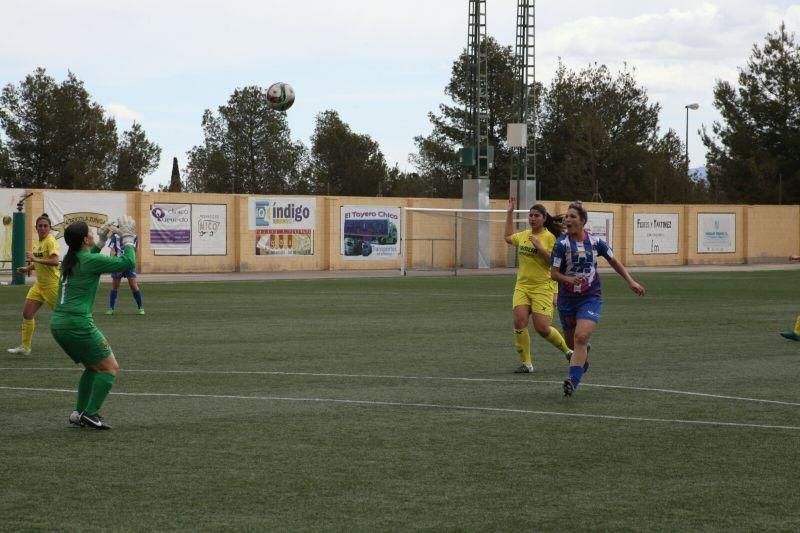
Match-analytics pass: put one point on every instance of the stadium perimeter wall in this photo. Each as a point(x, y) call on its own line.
point(758, 234)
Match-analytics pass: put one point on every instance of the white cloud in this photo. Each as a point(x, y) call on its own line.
point(122, 113)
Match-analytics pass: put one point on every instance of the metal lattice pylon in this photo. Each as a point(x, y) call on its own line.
point(525, 89)
point(478, 104)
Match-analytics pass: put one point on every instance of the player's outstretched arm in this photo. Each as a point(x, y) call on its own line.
point(101, 264)
point(509, 229)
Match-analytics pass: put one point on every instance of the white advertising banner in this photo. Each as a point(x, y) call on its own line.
point(209, 229)
point(171, 229)
point(189, 229)
point(601, 224)
point(95, 209)
point(284, 226)
point(8, 206)
point(716, 233)
point(370, 232)
point(655, 233)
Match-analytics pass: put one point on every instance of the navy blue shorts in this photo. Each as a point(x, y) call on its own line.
point(569, 310)
point(130, 274)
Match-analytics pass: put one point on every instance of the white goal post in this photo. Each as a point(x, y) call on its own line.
point(437, 236)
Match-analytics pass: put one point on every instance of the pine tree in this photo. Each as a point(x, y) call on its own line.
point(175, 179)
point(757, 159)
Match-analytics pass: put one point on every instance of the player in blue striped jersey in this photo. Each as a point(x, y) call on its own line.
point(574, 266)
point(115, 245)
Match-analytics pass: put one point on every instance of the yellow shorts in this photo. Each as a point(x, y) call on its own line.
point(540, 301)
point(46, 295)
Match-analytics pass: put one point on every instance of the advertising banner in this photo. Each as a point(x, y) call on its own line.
point(601, 224)
point(188, 229)
point(8, 206)
point(284, 242)
point(171, 229)
point(716, 233)
point(655, 233)
point(95, 209)
point(209, 229)
point(284, 226)
point(370, 232)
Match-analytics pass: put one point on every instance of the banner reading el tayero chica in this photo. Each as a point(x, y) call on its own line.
point(8, 206)
point(716, 233)
point(283, 226)
point(370, 232)
point(655, 233)
point(95, 209)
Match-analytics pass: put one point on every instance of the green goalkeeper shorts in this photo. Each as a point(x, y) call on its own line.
point(83, 344)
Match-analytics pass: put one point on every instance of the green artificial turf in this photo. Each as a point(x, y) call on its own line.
point(389, 405)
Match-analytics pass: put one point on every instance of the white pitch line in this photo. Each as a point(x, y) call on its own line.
point(427, 378)
point(428, 406)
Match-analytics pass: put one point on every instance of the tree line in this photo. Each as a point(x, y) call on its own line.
point(597, 137)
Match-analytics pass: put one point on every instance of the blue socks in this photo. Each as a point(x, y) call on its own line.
point(575, 375)
point(136, 296)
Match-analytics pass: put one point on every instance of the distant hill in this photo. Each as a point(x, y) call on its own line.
point(698, 174)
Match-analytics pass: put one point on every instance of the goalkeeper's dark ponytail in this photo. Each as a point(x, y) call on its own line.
point(550, 224)
point(73, 235)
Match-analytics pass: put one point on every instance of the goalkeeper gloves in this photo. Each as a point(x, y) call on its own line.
point(102, 234)
point(127, 230)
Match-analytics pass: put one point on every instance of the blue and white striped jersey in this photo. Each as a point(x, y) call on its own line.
point(579, 258)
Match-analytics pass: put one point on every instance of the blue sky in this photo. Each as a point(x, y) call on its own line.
point(381, 64)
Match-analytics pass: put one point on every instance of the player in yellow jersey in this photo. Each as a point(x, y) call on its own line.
point(44, 259)
point(534, 290)
point(795, 333)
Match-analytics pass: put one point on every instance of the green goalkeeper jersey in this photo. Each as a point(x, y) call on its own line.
point(76, 293)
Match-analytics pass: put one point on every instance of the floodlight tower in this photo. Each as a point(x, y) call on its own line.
point(477, 154)
point(522, 135)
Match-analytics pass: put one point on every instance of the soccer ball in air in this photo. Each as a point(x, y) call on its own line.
point(280, 96)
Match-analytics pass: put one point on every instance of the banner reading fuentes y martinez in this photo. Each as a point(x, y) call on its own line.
point(283, 226)
point(655, 233)
point(370, 232)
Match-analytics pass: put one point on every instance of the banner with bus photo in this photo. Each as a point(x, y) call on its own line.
point(283, 226)
point(370, 232)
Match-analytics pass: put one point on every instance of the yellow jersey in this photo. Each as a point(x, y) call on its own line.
point(46, 275)
point(534, 270)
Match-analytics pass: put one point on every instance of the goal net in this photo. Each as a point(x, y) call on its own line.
point(443, 239)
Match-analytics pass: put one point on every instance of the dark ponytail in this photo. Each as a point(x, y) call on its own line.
point(74, 235)
point(550, 224)
point(44, 216)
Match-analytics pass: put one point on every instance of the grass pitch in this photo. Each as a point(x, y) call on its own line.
point(389, 404)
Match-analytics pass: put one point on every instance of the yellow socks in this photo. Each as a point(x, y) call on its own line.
point(557, 340)
point(797, 326)
point(522, 343)
point(27, 332)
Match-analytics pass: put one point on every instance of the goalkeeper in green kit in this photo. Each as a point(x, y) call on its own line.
point(72, 325)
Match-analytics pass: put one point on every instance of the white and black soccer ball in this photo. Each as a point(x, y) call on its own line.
point(280, 96)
